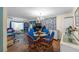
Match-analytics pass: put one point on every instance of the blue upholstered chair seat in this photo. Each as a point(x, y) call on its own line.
point(48, 36)
point(31, 34)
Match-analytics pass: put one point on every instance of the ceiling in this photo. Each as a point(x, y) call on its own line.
point(26, 12)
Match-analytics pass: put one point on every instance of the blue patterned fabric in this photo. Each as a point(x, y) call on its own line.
point(48, 36)
point(31, 33)
point(52, 35)
point(45, 30)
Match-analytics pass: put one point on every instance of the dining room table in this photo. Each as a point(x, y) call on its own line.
point(39, 34)
point(40, 44)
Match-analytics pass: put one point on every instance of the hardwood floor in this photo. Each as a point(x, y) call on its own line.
point(22, 46)
point(19, 46)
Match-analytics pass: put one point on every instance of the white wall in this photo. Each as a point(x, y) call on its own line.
point(60, 20)
point(4, 29)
